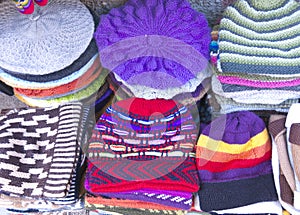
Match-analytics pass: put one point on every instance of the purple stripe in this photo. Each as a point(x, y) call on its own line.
point(142, 197)
point(235, 128)
point(167, 192)
point(235, 174)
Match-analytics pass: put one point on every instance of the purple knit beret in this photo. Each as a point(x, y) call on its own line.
point(156, 44)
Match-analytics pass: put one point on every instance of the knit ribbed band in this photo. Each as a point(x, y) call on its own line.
point(233, 160)
point(40, 39)
point(38, 148)
point(165, 51)
point(261, 38)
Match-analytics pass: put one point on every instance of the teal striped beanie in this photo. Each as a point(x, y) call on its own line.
point(261, 37)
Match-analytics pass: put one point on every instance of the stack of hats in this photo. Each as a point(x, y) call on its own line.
point(49, 57)
point(259, 53)
point(156, 49)
point(234, 165)
point(286, 152)
point(142, 155)
point(41, 158)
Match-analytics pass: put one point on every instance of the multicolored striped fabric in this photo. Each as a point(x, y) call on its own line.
point(234, 160)
point(258, 37)
point(143, 144)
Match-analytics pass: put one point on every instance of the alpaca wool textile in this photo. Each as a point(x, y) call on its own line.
point(63, 90)
point(48, 40)
point(233, 159)
point(84, 59)
point(174, 51)
point(213, 10)
point(24, 84)
point(104, 6)
point(33, 143)
point(180, 200)
point(260, 38)
point(282, 169)
point(136, 135)
point(75, 97)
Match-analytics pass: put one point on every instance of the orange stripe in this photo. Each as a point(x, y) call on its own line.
point(215, 156)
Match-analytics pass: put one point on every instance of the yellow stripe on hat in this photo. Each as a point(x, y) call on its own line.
point(220, 146)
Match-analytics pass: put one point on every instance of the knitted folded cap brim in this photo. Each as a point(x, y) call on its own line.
point(75, 97)
point(38, 144)
point(166, 52)
point(24, 84)
point(269, 33)
point(57, 76)
point(65, 89)
point(48, 40)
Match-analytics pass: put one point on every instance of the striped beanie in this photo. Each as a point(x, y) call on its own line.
point(234, 162)
point(139, 144)
point(261, 37)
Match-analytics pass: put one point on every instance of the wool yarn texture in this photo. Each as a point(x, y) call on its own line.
point(33, 141)
point(165, 54)
point(282, 165)
point(260, 38)
point(48, 40)
point(233, 160)
point(139, 144)
point(104, 6)
point(213, 10)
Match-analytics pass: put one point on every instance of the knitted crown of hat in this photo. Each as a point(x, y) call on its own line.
point(58, 76)
point(37, 146)
point(48, 40)
point(136, 135)
point(234, 160)
point(165, 53)
point(261, 38)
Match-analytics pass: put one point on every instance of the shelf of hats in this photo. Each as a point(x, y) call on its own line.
point(149, 107)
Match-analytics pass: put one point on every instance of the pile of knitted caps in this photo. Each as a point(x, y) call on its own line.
point(256, 54)
point(141, 155)
point(48, 54)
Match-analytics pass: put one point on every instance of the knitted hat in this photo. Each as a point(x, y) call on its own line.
point(234, 162)
point(66, 89)
point(176, 199)
point(104, 6)
point(25, 84)
point(213, 10)
point(140, 143)
point(37, 145)
point(259, 37)
point(49, 40)
point(75, 97)
point(157, 60)
point(57, 76)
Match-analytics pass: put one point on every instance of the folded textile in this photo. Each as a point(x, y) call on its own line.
point(38, 150)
